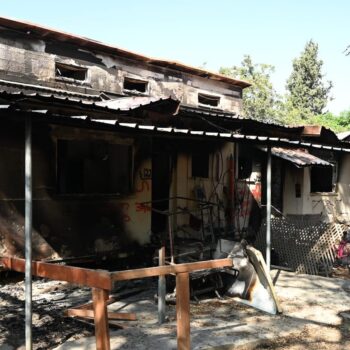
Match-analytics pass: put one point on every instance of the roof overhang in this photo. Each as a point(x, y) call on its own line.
point(299, 157)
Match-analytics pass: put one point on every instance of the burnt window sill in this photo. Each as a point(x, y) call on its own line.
point(135, 93)
point(72, 81)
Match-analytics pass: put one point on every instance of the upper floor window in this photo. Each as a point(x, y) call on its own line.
point(71, 72)
point(138, 85)
point(208, 100)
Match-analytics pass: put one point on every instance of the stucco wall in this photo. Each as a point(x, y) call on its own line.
point(332, 206)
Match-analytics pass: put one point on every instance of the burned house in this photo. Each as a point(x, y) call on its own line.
point(127, 147)
point(133, 156)
point(91, 169)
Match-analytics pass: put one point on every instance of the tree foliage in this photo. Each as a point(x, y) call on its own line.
point(259, 100)
point(337, 123)
point(307, 92)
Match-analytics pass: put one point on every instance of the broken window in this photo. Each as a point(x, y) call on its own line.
point(70, 71)
point(323, 179)
point(131, 84)
point(208, 100)
point(93, 167)
point(200, 165)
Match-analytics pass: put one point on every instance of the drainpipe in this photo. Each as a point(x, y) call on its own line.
point(268, 208)
point(28, 233)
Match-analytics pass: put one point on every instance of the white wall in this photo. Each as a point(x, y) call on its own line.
point(332, 205)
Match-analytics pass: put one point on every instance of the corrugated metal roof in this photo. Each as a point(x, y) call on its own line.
point(132, 102)
point(54, 34)
point(298, 156)
point(115, 125)
point(114, 105)
point(13, 87)
point(343, 136)
point(111, 119)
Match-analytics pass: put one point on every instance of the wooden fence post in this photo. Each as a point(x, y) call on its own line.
point(99, 298)
point(183, 311)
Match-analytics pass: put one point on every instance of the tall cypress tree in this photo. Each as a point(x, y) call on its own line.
point(308, 93)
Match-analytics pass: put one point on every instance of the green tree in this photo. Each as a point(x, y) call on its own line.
point(337, 123)
point(260, 101)
point(307, 92)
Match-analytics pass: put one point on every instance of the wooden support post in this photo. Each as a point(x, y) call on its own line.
point(183, 311)
point(99, 297)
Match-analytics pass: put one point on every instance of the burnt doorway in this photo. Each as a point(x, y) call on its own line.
point(161, 177)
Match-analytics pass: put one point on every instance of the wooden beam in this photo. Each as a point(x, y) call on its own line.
point(86, 313)
point(169, 269)
point(99, 297)
point(89, 305)
point(86, 277)
point(183, 311)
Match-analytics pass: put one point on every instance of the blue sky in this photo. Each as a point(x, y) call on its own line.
point(217, 32)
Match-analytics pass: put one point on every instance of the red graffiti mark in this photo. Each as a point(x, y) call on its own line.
point(142, 208)
point(144, 186)
point(256, 192)
point(125, 208)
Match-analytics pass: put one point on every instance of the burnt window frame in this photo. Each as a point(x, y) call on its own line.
point(333, 182)
point(201, 96)
point(60, 66)
point(136, 81)
point(109, 193)
point(206, 174)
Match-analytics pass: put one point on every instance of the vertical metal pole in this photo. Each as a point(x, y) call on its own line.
point(28, 233)
point(161, 287)
point(268, 209)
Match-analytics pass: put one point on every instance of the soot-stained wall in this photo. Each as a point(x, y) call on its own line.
point(69, 225)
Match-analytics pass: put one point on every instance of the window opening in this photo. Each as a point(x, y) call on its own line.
point(135, 85)
point(200, 165)
point(70, 71)
point(208, 100)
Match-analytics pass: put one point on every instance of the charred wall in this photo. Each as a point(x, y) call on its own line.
point(29, 59)
point(69, 224)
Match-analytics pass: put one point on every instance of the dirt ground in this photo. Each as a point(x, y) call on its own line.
point(316, 316)
point(50, 327)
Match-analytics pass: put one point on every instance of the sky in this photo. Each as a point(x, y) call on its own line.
point(216, 32)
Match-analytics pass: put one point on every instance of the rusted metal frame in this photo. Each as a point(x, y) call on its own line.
point(169, 269)
point(87, 277)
